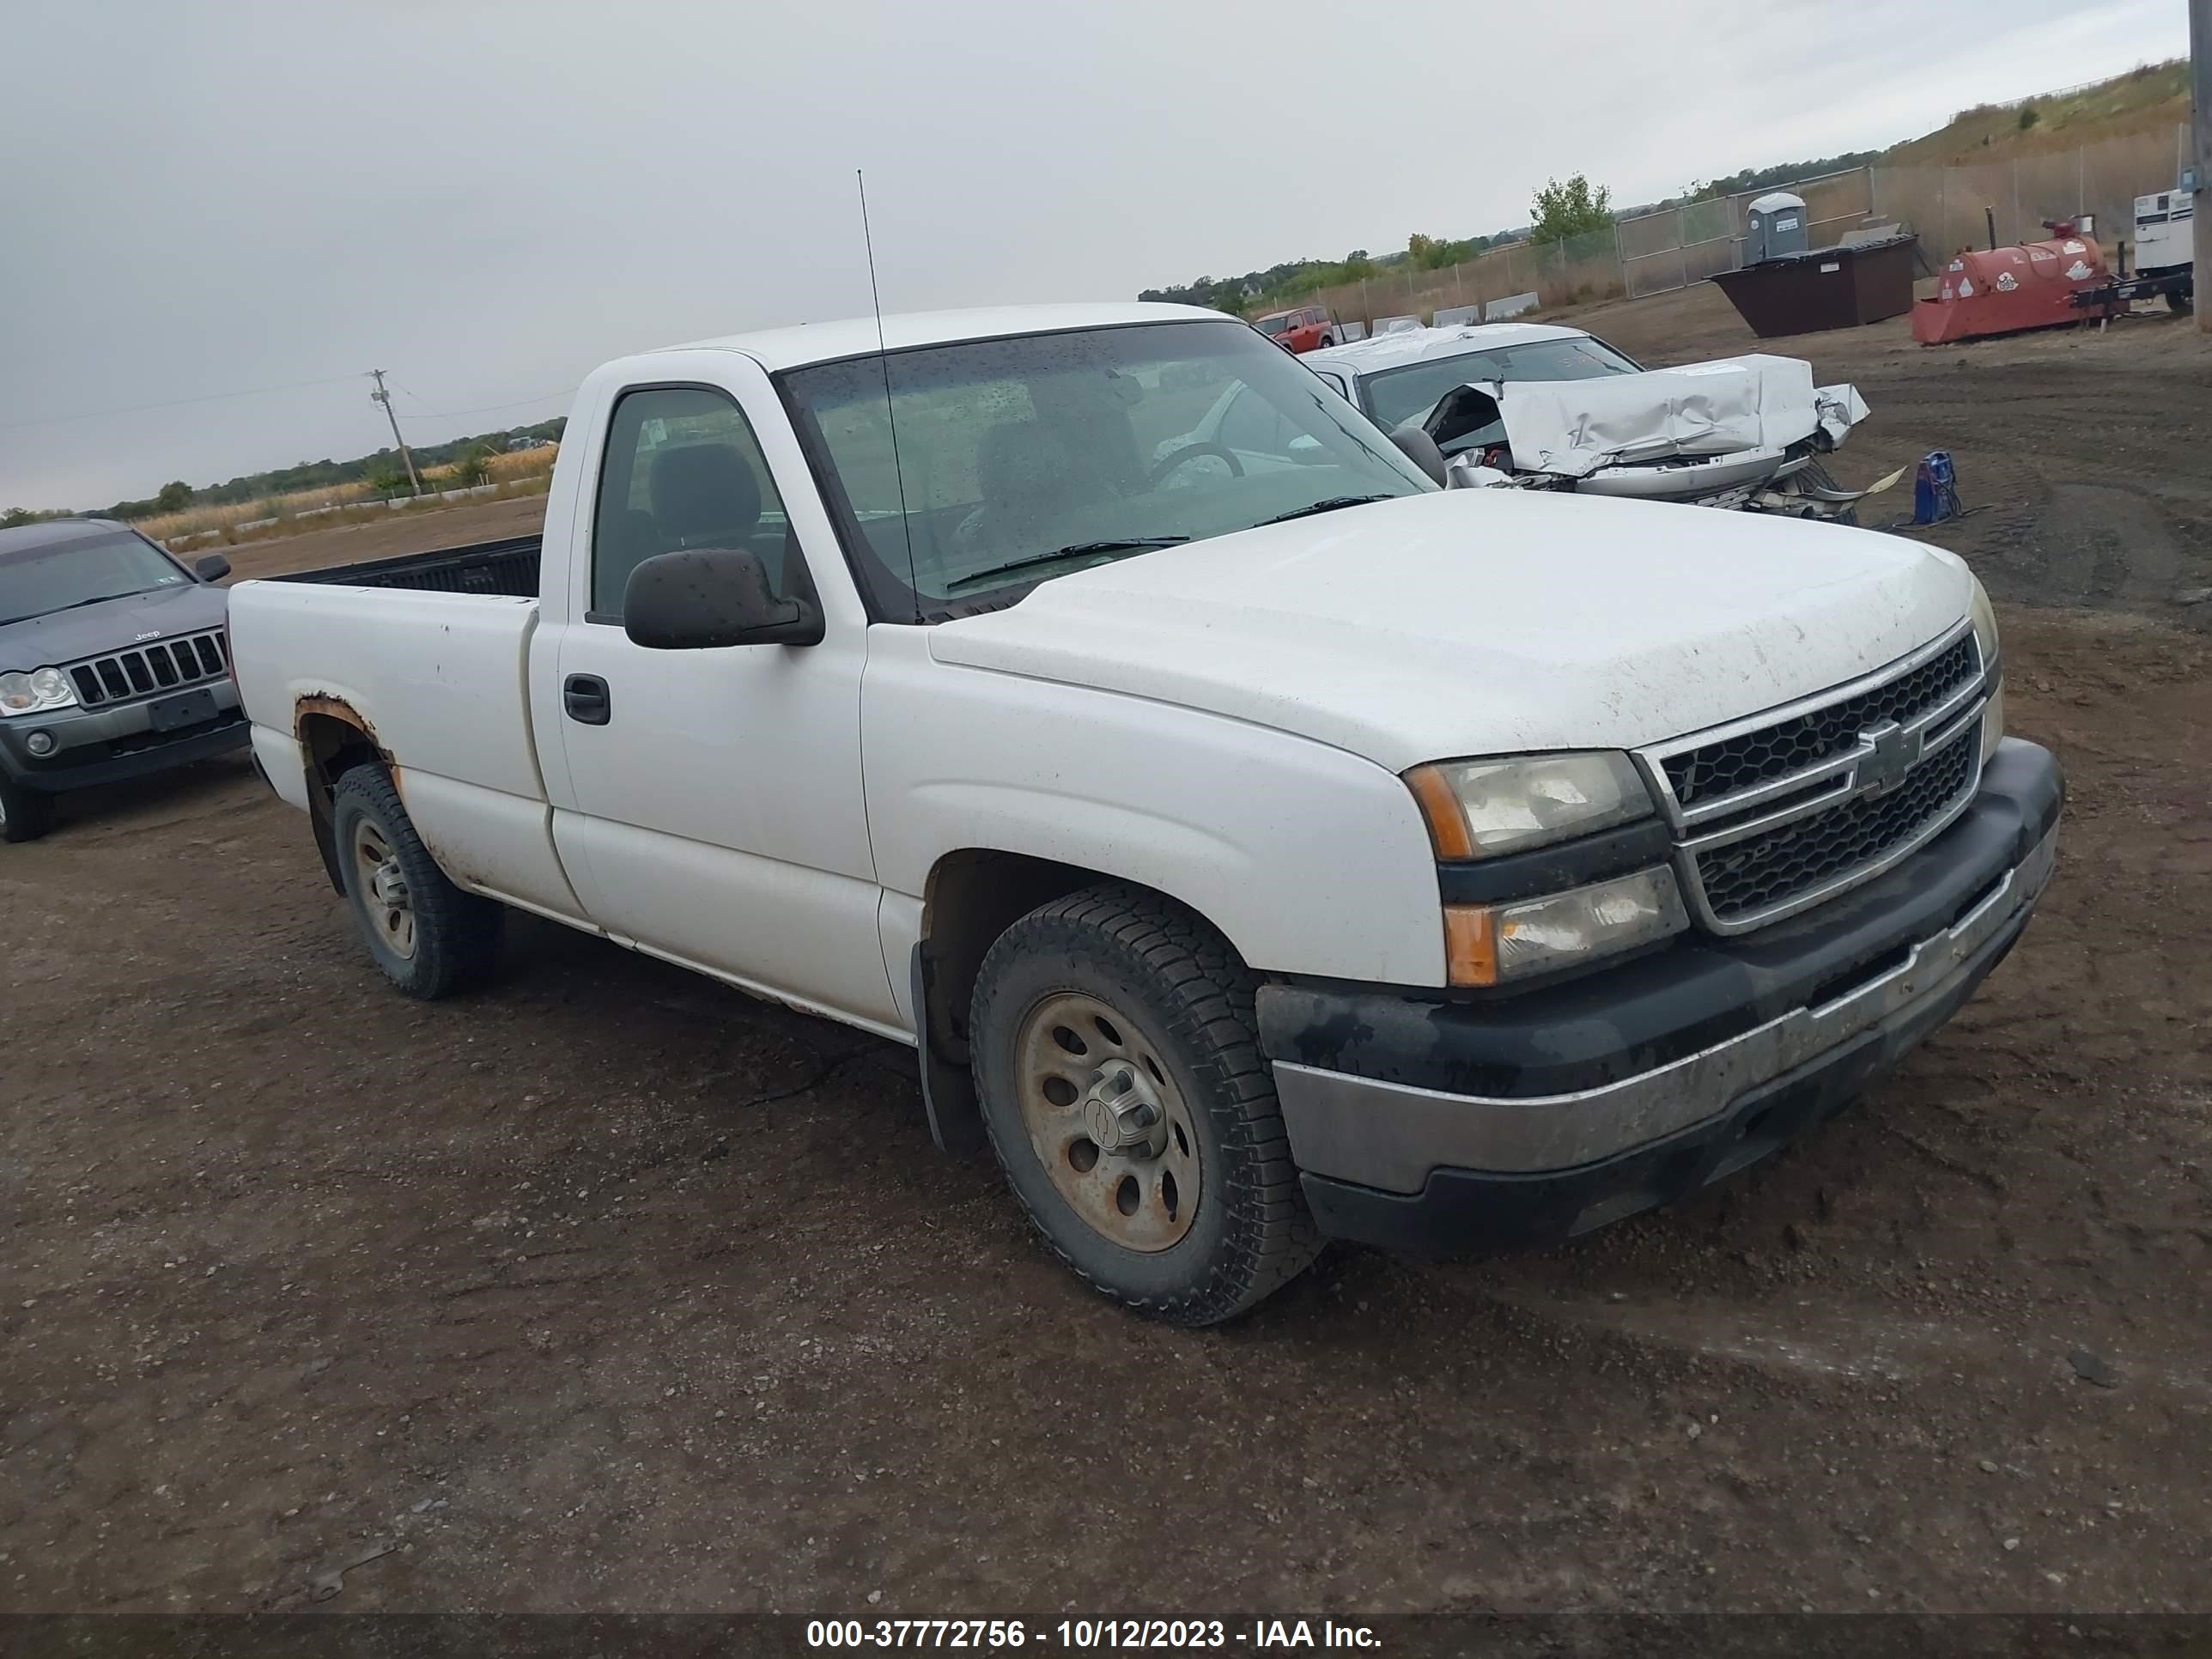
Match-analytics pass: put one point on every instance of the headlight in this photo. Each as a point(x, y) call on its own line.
point(1985, 623)
point(1490, 943)
point(35, 692)
point(1479, 808)
point(1985, 636)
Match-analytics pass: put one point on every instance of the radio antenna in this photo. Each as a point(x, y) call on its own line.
point(891, 415)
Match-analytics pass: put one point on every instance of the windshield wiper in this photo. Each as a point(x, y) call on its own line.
point(1074, 551)
point(1328, 505)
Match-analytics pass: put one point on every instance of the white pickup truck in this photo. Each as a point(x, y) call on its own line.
point(1254, 854)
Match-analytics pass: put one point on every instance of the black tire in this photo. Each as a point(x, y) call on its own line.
point(1171, 974)
point(25, 815)
point(2180, 304)
point(455, 936)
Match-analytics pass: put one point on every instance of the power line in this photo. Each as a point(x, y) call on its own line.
point(484, 409)
point(173, 403)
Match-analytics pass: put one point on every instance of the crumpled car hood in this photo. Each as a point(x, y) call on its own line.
point(1571, 428)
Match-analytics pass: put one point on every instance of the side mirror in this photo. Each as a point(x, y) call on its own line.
point(705, 598)
point(212, 569)
point(1421, 450)
point(1307, 450)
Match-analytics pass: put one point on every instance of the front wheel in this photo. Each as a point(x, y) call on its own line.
point(1128, 1101)
point(428, 937)
point(25, 815)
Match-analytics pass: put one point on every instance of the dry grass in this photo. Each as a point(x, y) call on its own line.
point(2153, 97)
point(519, 472)
point(199, 520)
point(505, 466)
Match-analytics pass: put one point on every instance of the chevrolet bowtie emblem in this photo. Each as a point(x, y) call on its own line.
point(1888, 753)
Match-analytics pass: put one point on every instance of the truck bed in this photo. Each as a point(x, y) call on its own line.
point(508, 568)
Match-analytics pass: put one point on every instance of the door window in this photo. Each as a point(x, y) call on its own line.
point(683, 469)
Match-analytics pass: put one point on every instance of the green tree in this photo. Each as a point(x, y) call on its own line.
point(2028, 117)
point(173, 496)
point(1431, 254)
point(471, 470)
point(1572, 209)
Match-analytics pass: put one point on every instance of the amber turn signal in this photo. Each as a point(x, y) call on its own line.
point(1470, 944)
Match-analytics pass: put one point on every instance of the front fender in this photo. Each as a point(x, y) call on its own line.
point(1310, 860)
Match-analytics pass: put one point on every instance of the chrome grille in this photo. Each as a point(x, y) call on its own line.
point(1789, 745)
point(145, 671)
point(1748, 877)
point(1776, 813)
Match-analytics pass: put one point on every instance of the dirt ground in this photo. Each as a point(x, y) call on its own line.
point(608, 1288)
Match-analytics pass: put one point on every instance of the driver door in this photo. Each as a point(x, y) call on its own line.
point(713, 811)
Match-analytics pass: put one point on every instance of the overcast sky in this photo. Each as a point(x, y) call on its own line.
point(489, 197)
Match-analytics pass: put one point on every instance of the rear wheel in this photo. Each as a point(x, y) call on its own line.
point(1128, 1101)
point(428, 937)
point(24, 815)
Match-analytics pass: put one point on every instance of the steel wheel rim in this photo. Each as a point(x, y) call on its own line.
point(1086, 1074)
point(383, 889)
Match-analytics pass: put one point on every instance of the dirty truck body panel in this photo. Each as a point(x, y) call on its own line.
point(1568, 882)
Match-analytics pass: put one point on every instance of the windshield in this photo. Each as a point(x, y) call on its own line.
point(78, 571)
point(1094, 445)
point(1397, 396)
point(1273, 324)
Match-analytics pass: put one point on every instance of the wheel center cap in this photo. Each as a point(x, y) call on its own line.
point(1121, 1113)
point(389, 886)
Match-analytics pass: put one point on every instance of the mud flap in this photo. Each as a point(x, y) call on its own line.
point(318, 816)
point(948, 1090)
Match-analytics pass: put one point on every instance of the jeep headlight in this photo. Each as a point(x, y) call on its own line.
point(1985, 636)
point(1480, 808)
point(36, 692)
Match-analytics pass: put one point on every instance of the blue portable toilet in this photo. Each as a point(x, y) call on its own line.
point(1778, 226)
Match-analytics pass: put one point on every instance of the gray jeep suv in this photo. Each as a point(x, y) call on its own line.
point(113, 663)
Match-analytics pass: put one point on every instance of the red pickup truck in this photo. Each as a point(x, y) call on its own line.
point(1304, 328)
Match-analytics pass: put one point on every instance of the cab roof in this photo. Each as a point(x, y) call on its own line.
point(782, 349)
point(1414, 345)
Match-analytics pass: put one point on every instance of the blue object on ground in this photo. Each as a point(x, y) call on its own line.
point(1935, 489)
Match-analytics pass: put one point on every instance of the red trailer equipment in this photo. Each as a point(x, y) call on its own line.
point(2007, 290)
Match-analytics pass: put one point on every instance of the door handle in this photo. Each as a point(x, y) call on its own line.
point(587, 700)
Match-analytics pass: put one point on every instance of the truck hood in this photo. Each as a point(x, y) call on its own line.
point(67, 636)
point(1482, 621)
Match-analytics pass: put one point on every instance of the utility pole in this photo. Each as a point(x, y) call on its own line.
point(380, 396)
point(2200, 77)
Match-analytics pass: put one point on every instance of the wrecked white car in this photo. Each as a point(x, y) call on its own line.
point(1525, 405)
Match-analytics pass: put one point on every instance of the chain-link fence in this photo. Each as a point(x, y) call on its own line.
point(1656, 253)
point(1954, 208)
